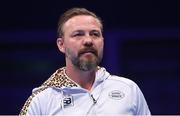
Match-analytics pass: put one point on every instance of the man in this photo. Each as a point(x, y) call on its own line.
point(82, 87)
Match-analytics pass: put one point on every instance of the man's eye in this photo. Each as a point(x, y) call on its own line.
point(78, 34)
point(96, 34)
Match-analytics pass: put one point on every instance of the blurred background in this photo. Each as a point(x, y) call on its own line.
point(142, 43)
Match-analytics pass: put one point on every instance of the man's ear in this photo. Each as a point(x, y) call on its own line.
point(60, 44)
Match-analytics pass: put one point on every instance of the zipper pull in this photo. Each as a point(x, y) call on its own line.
point(94, 100)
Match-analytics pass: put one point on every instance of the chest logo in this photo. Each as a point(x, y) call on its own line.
point(116, 94)
point(68, 101)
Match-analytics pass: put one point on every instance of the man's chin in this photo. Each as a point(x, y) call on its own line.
point(87, 68)
point(87, 65)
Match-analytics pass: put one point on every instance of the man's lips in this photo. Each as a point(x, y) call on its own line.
point(90, 51)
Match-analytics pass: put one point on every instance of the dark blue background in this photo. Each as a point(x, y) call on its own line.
point(142, 43)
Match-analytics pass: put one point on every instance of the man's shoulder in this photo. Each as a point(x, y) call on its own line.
point(45, 92)
point(56, 81)
point(121, 80)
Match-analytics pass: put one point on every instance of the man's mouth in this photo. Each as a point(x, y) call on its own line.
point(88, 51)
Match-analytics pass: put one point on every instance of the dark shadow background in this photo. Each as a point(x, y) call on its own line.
point(142, 43)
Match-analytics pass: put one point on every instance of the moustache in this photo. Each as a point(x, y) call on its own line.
point(86, 50)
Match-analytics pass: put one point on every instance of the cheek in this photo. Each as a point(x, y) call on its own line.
point(101, 45)
point(70, 51)
point(73, 45)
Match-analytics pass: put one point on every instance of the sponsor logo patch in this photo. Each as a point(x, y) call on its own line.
point(116, 94)
point(68, 101)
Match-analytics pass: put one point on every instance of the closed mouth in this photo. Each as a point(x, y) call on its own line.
point(88, 51)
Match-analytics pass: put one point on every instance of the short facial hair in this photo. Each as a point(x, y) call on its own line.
point(85, 65)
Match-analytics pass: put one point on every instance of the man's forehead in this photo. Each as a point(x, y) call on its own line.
point(83, 20)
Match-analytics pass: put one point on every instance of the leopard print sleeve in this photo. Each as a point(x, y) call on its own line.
point(57, 79)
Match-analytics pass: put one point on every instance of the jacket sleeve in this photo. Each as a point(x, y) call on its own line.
point(30, 107)
point(140, 103)
point(32, 104)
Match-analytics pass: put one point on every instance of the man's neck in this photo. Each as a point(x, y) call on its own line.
point(84, 78)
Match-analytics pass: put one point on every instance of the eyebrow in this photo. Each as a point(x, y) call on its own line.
point(78, 31)
point(82, 31)
point(95, 31)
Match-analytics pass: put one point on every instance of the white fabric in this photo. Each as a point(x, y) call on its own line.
point(110, 95)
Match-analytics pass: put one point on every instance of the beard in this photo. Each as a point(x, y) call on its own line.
point(83, 63)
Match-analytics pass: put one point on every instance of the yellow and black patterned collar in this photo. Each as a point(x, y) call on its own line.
point(59, 79)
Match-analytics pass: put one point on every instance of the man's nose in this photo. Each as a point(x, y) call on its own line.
point(88, 41)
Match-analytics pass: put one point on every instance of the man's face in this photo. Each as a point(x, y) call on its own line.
point(83, 42)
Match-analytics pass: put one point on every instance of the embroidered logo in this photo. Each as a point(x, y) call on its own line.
point(68, 101)
point(116, 94)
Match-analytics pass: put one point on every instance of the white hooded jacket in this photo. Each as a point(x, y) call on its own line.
point(110, 95)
